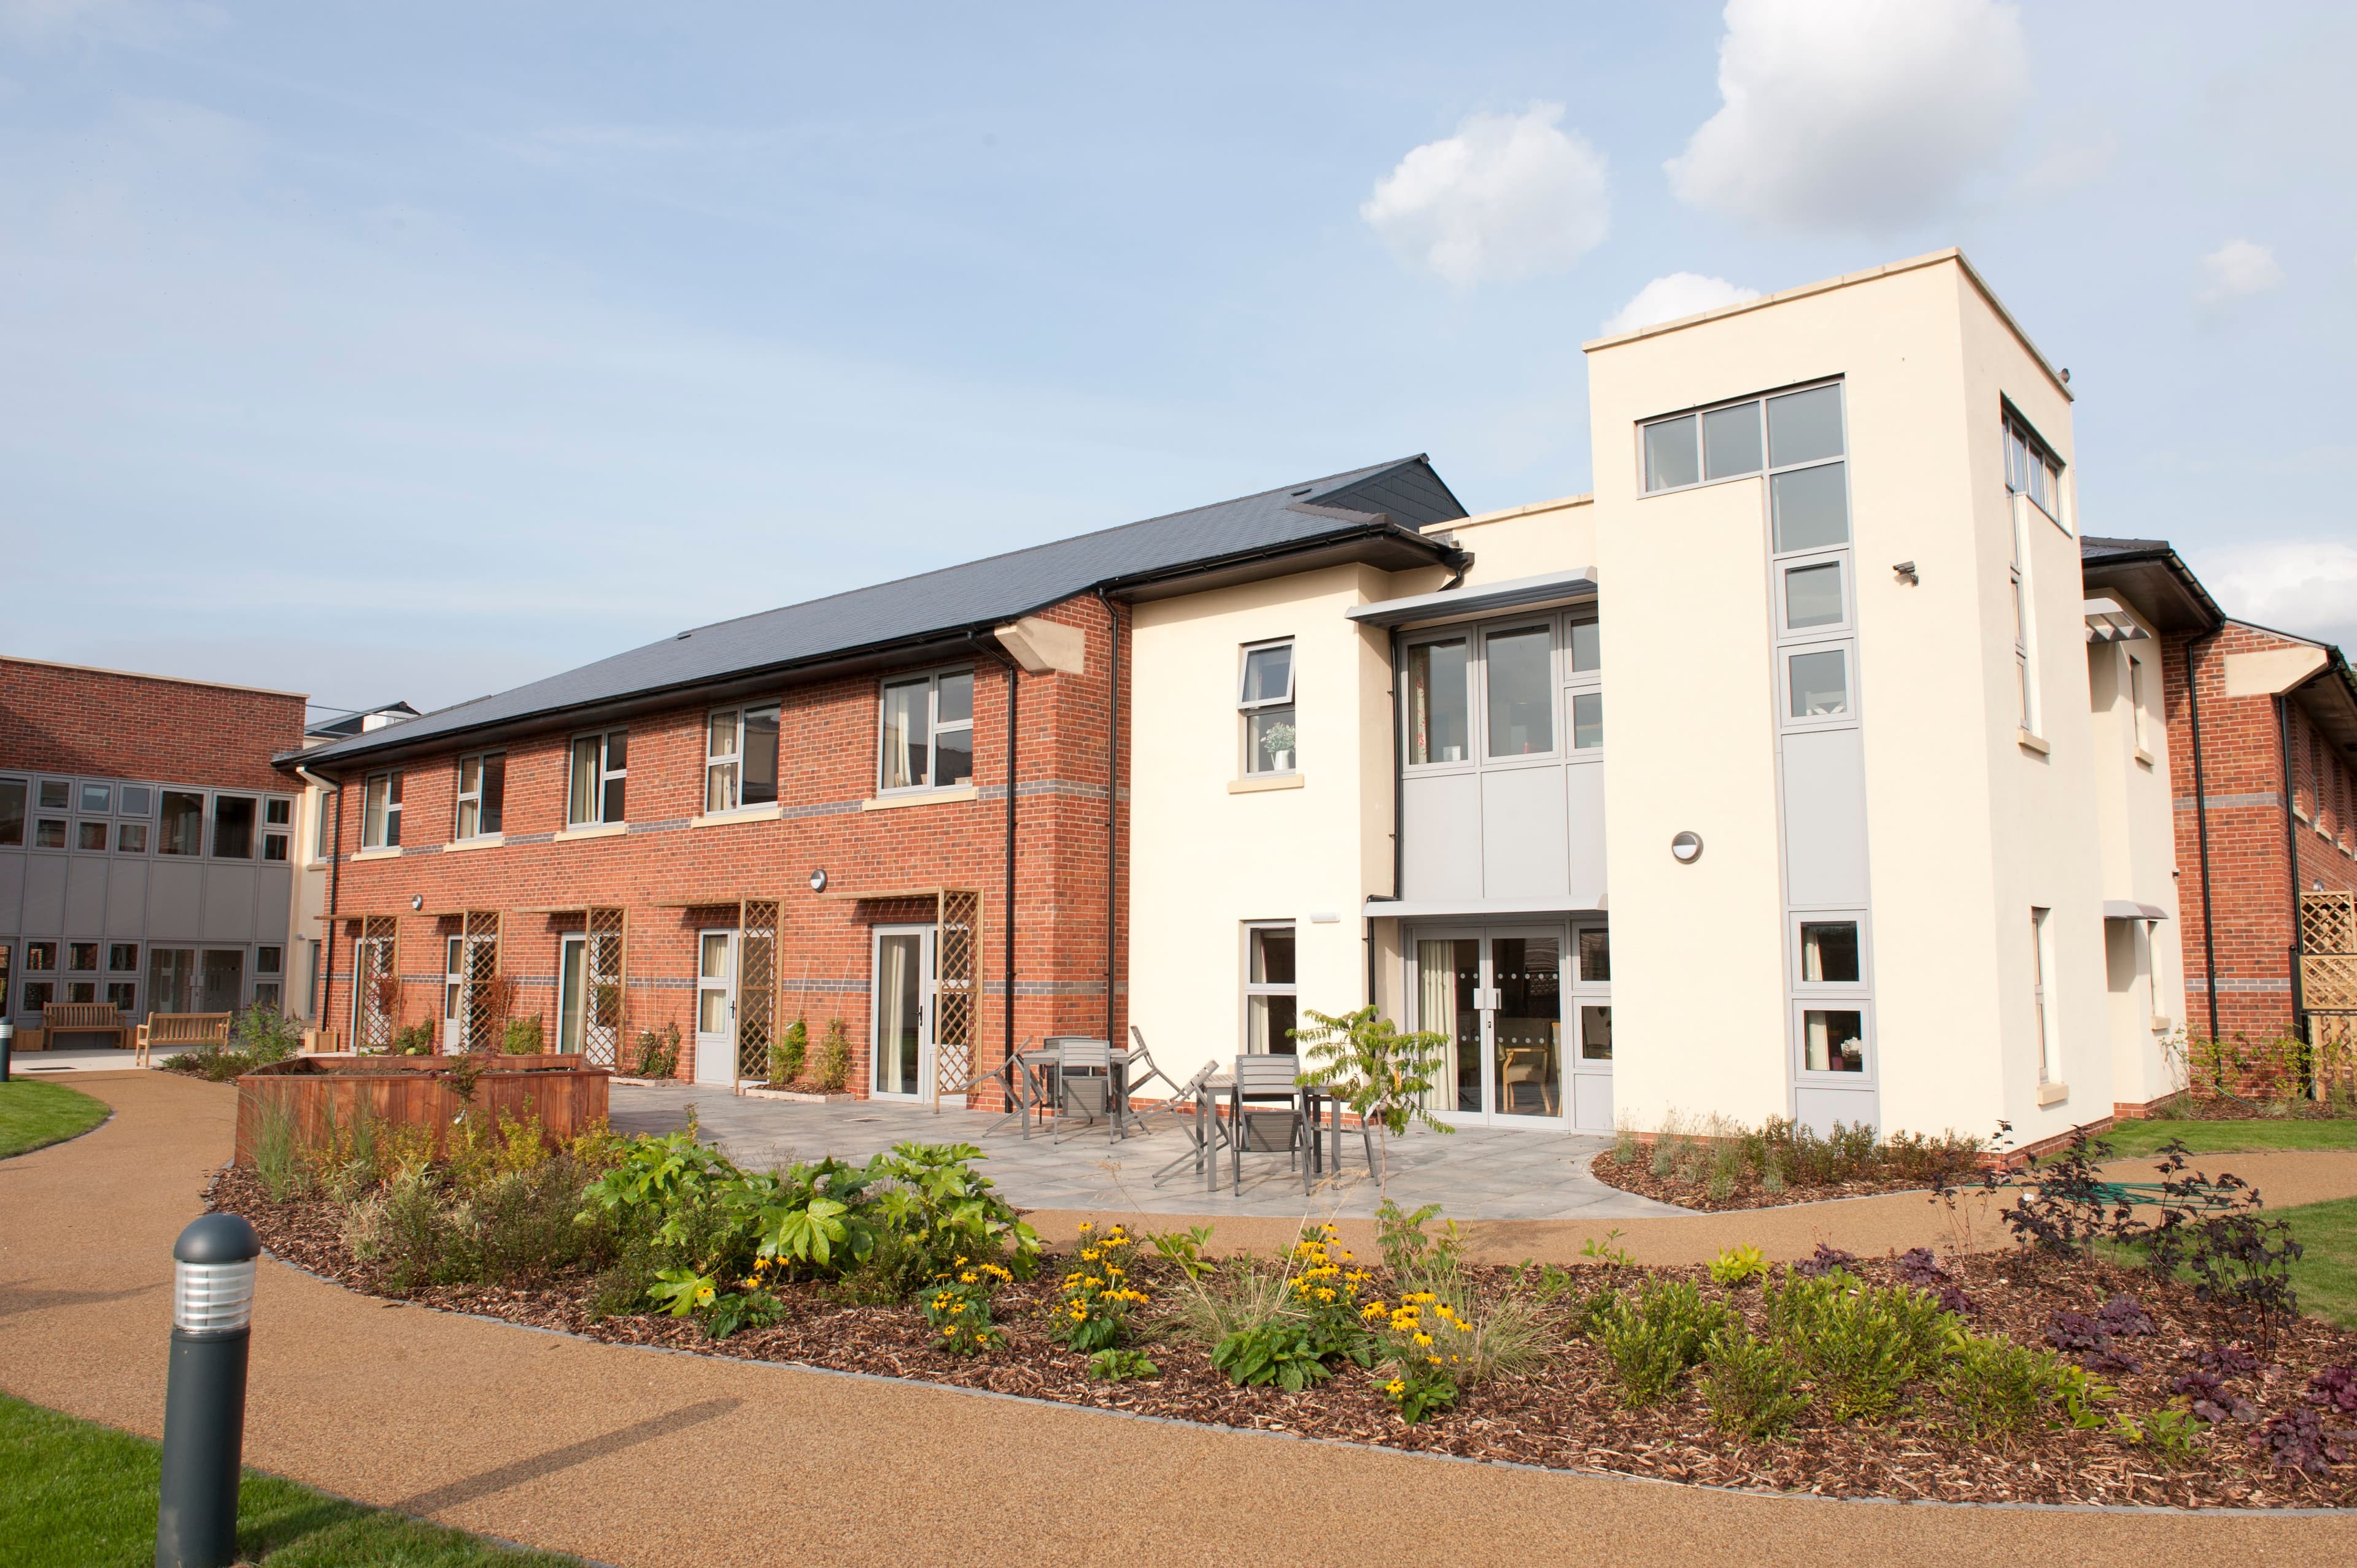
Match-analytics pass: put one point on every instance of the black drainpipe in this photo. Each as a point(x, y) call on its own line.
point(2201, 825)
point(1014, 729)
point(2291, 860)
point(1113, 807)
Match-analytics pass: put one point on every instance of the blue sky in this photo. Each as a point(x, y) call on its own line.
point(415, 351)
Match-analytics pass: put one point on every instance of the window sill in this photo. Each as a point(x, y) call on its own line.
point(592, 831)
point(481, 841)
point(382, 852)
point(921, 798)
point(764, 813)
point(1261, 782)
point(2144, 758)
point(2028, 742)
point(2052, 1094)
point(315, 865)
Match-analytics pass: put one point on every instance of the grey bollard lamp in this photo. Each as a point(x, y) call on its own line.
point(204, 1393)
point(7, 1043)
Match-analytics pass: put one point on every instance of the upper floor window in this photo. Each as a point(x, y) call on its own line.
point(927, 731)
point(740, 759)
point(1436, 708)
point(1267, 701)
point(182, 831)
point(600, 772)
point(233, 827)
point(1520, 686)
point(1524, 685)
point(2030, 466)
point(381, 810)
point(12, 812)
point(482, 794)
point(323, 831)
point(2135, 701)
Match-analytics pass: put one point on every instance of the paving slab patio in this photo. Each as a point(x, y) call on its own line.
point(1474, 1173)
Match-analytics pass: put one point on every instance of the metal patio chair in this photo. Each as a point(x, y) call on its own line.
point(1267, 1082)
point(1022, 1089)
point(1206, 1134)
point(1083, 1069)
point(1143, 1068)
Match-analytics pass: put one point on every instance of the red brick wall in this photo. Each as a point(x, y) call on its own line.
point(57, 718)
point(2251, 889)
point(827, 768)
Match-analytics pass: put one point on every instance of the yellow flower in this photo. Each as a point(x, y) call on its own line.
point(1393, 1387)
point(1434, 1359)
point(1086, 1225)
point(1424, 1339)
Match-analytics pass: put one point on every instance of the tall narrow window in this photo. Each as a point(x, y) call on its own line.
point(2031, 468)
point(2024, 669)
point(740, 759)
point(183, 829)
point(482, 794)
point(233, 827)
point(2135, 701)
point(12, 812)
point(600, 779)
point(1271, 990)
point(926, 735)
point(2042, 967)
point(381, 810)
point(1272, 744)
point(323, 832)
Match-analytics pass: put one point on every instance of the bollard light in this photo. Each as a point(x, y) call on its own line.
point(204, 1393)
point(7, 1043)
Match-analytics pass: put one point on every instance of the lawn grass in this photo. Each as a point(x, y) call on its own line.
point(33, 1113)
point(2130, 1139)
point(82, 1496)
point(2326, 1275)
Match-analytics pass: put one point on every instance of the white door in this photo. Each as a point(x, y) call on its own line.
point(903, 1059)
point(1498, 996)
point(716, 1007)
point(1592, 1056)
point(572, 992)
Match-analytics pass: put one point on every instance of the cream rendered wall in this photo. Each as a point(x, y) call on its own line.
point(1204, 860)
point(2135, 814)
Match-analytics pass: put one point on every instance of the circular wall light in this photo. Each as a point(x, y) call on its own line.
point(417, 900)
point(818, 881)
point(1687, 848)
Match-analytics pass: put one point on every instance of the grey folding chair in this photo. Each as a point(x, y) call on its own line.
point(1143, 1069)
point(1267, 1081)
point(1206, 1136)
point(1022, 1088)
point(1083, 1081)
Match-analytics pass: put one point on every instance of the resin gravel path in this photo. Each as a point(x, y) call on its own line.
point(637, 1457)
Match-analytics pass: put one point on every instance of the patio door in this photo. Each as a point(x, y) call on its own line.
point(1497, 993)
point(220, 981)
point(716, 1007)
point(572, 991)
point(1590, 1063)
point(903, 1058)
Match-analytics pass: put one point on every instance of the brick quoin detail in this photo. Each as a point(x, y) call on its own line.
point(827, 768)
point(100, 723)
point(2251, 888)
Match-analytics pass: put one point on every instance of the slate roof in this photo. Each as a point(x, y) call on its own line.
point(1395, 499)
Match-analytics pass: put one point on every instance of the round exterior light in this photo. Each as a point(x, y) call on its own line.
point(417, 900)
point(818, 880)
point(212, 1275)
point(1687, 848)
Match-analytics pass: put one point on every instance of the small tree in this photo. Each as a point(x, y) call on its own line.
point(1367, 1064)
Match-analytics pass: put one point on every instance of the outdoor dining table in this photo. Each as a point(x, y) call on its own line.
point(1039, 1063)
point(1223, 1084)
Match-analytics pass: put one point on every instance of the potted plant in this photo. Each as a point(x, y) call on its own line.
point(1277, 741)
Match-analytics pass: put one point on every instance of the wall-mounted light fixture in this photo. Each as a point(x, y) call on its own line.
point(1905, 571)
point(1687, 848)
point(818, 880)
point(416, 901)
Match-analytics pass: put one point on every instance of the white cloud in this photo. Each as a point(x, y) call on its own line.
point(1854, 114)
point(2237, 268)
point(1508, 196)
point(1668, 298)
point(2306, 586)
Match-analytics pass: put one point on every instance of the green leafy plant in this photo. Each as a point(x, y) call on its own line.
point(523, 1037)
point(277, 1155)
point(835, 1058)
point(1092, 1313)
point(788, 1051)
point(1864, 1344)
point(1653, 1336)
point(1738, 1266)
point(958, 1308)
point(1118, 1366)
point(1607, 1249)
point(1414, 1257)
point(683, 1290)
point(1280, 1354)
point(659, 1051)
point(1997, 1386)
point(1183, 1251)
point(2170, 1435)
point(412, 1040)
point(1753, 1384)
point(1366, 1062)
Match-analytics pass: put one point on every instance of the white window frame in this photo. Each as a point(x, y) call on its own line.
point(606, 775)
point(732, 798)
point(1469, 637)
point(2041, 994)
point(1557, 658)
point(1849, 716)
point(1249, 709)
point(323, 830)
point(459, 827)
point(2135, 708)
point(2022, 584)
point(2031, 466)
point(1578, 683)
point(934, 728)
point(1267, 988)
point(386, 831)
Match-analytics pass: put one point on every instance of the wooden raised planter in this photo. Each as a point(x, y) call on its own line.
point(567, 1094)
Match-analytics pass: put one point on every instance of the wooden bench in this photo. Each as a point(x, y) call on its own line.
point(84, 1018)
point(181, 1029)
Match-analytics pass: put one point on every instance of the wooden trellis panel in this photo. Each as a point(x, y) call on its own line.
point(2328, 985)
point(603, 1020)
point(957, 990)
point(376, 982)
point(484, 1013)
point(757, 985)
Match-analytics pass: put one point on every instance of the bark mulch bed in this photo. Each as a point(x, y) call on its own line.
point(1689, 1187)
point(1564, 1414)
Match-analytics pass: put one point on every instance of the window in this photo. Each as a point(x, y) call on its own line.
point(1833, 1039)
point(1819, 681)
point(740, 758)
point(381, 810)
point(55, 793)
point(81, 990)
point(926, 738)
point(131, 838)
point(1270, 990)
point(311, 977)
point(2025, 666)
point(97, 798)
point(482, 794)
point(600, 772)
point(1813, 597)
point(1594, 945)
point(278, 811)
point(48, 833)
point(1438, 681)
point(123, 958)
point(38, 994)
point(40, 956)
point(1829, 953)
point(2031, 468)
point(81, 958)
point(12, 812)
point(2042, 966)
point(1521, 679)
point(123, 995)
point(323, 832)
point(233, 827)
point(90, 836)
point(2135, 701)
point(1795, 438)
point(1672, 459)
point(135, 801)
point(269, 960)
point(273, 847)
point(183, 831)
point(1272, 743)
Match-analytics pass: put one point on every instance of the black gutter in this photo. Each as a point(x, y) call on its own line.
point(2201, 825)
point(1381, 527)
point(1112, 808)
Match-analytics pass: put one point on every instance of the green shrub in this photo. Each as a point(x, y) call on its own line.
point(1120, 1366)
point(1738, 1266)
point(265, 1035)
point(1655, 1335)
point(278, 1158)
point(835, 1058)
point(1863, 1343)
point(1997, 1386)
point(659, 1052)
point(787, 1052)
point(523, 1037)
point(1419, 1260)
point(1753, 1384)
point(1279, 1354)
point(412, 1040)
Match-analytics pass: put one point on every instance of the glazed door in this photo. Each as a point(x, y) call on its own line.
point(1498, 996)
point(903, 1058)
point(572, 992)
point(1591, 1001)
point(716, 1007)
